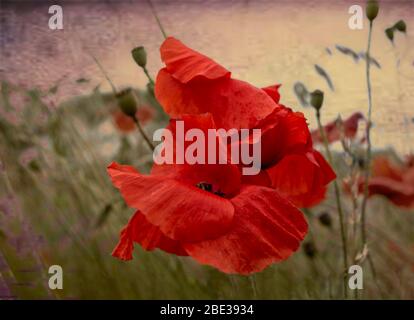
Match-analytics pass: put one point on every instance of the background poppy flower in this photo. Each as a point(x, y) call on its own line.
point(333, 129)
point(395, 182)
point(125, 124)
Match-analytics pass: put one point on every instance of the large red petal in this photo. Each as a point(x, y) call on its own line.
point(150, 237)
point(325, 169)
point(309, 199)
point(182, 212)
point(302, 177)
point(283, 131)
point(273, 92)
point(225, 179)
point(233, 103)
point(202, 123)
point(185, 64)
point(260, 179)
point(266, 229)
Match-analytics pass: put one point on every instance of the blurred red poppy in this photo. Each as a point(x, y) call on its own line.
point(395, 182)
point(349, 127)
point(125, 124)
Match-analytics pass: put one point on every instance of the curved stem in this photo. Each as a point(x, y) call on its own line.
point(143, 134)
point(338, 205)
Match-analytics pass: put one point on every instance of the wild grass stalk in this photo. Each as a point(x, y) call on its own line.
point(338, 205)
point(368, 150)
point(154, 12)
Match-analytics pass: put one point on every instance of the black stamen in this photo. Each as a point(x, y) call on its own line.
point(209, 188)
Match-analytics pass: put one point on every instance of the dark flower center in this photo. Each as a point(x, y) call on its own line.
point(209, 188)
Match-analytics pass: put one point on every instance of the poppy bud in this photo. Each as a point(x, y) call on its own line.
point(140, 56)
point(127, 102)
point(390, 33)
point(316, 99)
point(310, 249)
point(401, 26)
point(372, 9)
point(325, 219)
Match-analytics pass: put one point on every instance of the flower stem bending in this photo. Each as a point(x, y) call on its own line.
point(143, 134)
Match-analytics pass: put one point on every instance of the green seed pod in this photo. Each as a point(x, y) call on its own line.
point(389, 32)
point(140, 56)
point(316, 99)
point(127, 102)
point(372, 9)
point(401, 26)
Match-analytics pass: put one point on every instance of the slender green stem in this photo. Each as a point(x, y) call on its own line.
point(143, 134)
point(105, 74)
point(338, 205)
point(368, 156)
point(148, 75)
point(154, 12)
point(368, 151)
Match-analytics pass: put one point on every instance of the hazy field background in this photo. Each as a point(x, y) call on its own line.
point(57, 135)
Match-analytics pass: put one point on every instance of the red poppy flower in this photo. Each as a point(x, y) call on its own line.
point(125, 124)
point(192, 83)
point(334, 129)
point(122, 122)
point(145, 114)
point(208, 213)
point(302, 178)
point(236, 223)
point(395, 182)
